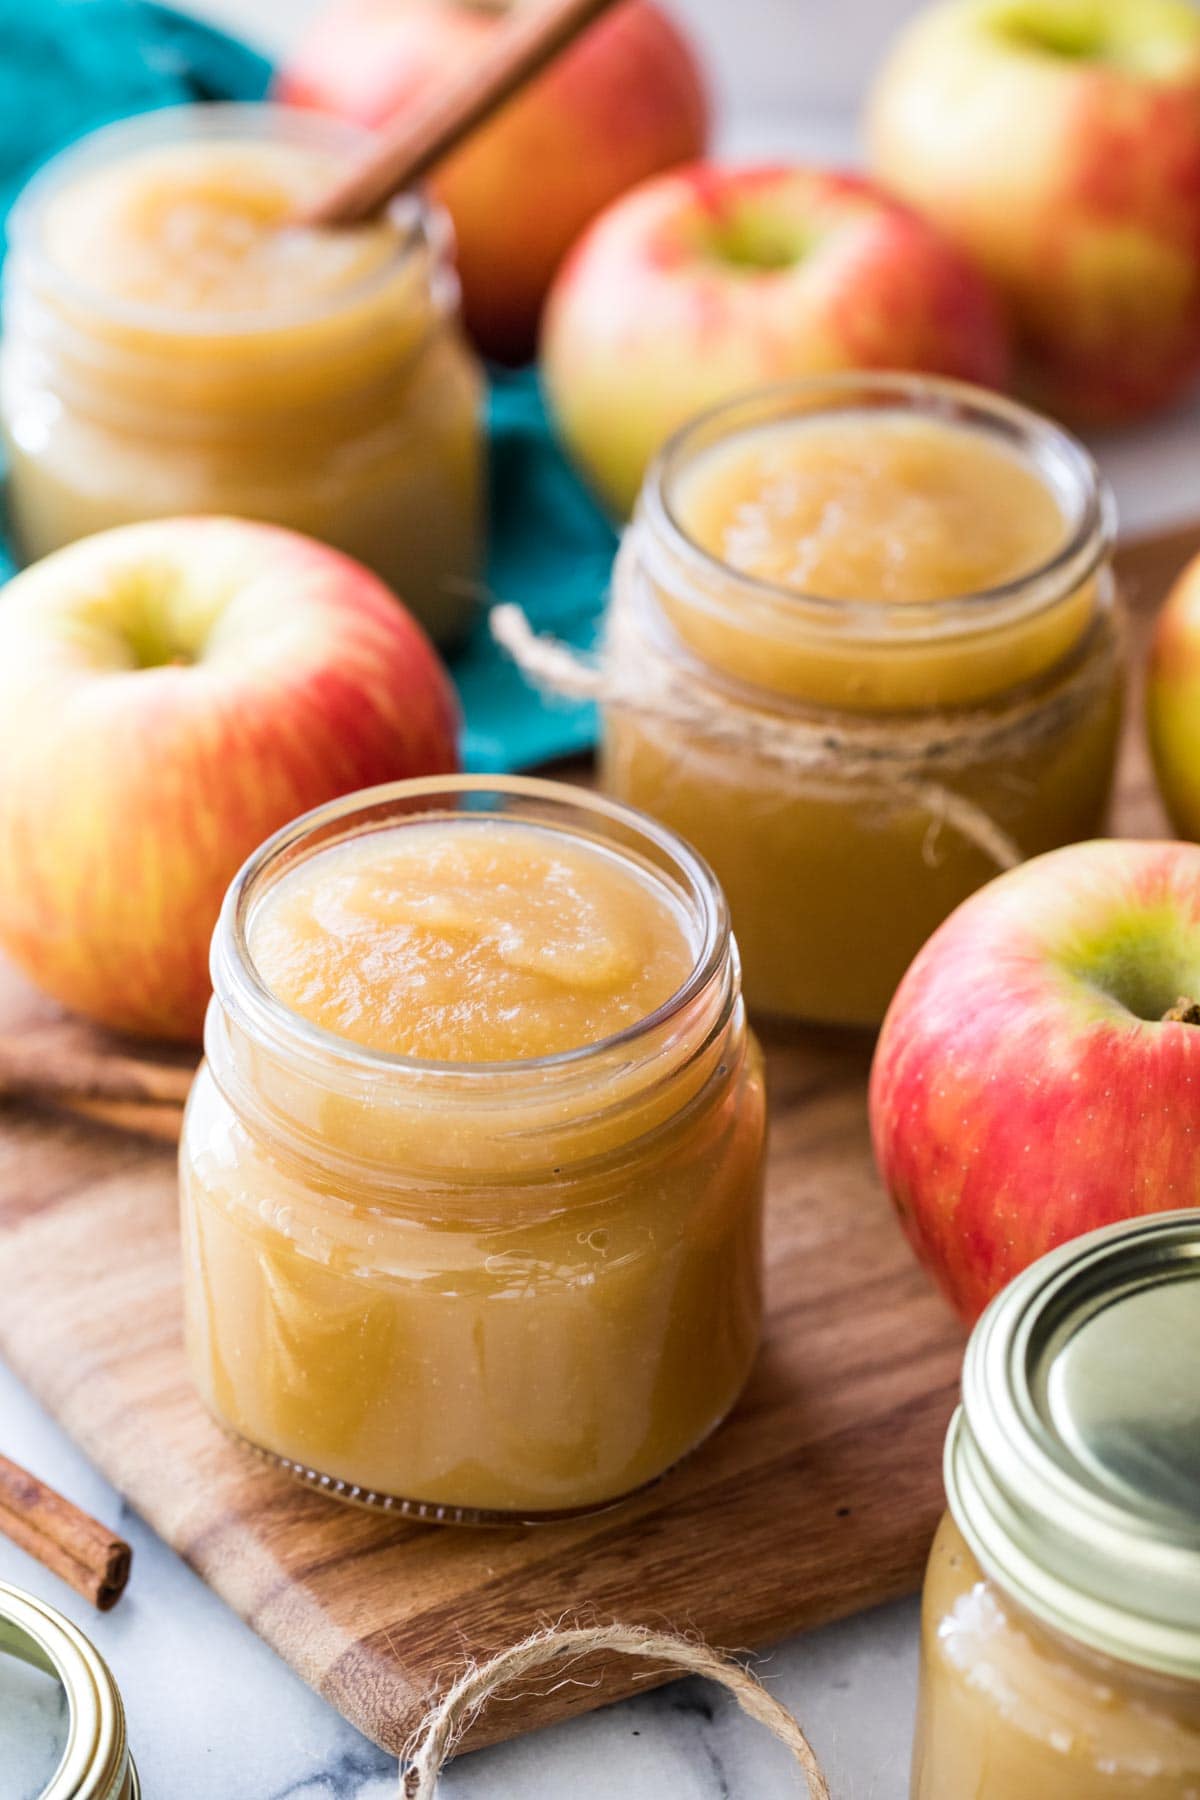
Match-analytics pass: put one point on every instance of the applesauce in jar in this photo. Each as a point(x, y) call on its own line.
point(1061, 1617)
point(864, 652)
point(174, 342)
point(471, 1176)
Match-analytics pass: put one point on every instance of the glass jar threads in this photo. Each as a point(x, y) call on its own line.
point(174, 342)
point(863, 652)
point(1061, 1631)
point(471, 1178)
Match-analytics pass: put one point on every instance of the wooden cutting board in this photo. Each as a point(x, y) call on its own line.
point(818, 1498)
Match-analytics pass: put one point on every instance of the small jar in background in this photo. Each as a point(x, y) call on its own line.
point(172, 344)
point(853, 762)
point(1061, 1623)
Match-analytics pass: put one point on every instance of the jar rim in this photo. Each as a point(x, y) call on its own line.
point(419, 223)
point(242, 993)
point(1043, 442)
point(95, 1763)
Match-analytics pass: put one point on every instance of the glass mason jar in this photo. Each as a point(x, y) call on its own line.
point(342, 402)
point(852, 769)
point(475, 1291)
point(1061, 1621)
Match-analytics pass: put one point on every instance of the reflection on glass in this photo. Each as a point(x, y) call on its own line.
point(33, 1718)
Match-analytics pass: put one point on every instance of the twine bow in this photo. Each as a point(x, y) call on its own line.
point(449, 1718)
point(803, 749)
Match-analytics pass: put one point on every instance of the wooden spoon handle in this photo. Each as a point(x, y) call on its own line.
point(532, 37)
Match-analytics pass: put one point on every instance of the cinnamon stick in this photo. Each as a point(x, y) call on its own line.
point(162, 1124)
point(32, 1070)
point(63, 1538)
point(531, 38)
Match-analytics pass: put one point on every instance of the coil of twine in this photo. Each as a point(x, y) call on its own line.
point(447, 1720)
point(903, 760)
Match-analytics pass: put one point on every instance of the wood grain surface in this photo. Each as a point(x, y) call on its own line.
point(818, 1498)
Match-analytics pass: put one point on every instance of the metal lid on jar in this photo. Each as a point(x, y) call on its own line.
point(95, 1762)
point(1073, 1464)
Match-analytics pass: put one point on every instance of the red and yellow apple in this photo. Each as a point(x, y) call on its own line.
point(1173, 702)
point(710, 281)
point(1058, 142)
point(171, 693)
point(624, 102)
point(1038, 1073)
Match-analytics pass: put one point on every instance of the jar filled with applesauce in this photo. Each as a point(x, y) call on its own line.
point(1061, 1620)
point(471, 1176)
point(175, 342)
point(863, 652)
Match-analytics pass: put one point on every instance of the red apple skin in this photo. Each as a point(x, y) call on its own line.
point(625, 102)
point(650, 320)
point(1016, 1100)
point(130, 795)
point(1173, 702)
point(1073, 181)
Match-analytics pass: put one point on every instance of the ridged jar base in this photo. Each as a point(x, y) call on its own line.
point(436, 1512)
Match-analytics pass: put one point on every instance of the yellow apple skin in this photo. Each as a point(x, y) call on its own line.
point(1173, 702)
point(1058, 142)
point(624, 102)
point(170, 694)
point(709, 281)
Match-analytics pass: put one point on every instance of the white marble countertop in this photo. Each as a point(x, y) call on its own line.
point(213, 1714)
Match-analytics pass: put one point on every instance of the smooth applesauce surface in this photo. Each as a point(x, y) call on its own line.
point(455, 942)
point(867, 508)
point(833, 538)
point(208, 228)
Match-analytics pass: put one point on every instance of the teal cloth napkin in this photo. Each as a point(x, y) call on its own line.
point(551, 551)
point(67, 66)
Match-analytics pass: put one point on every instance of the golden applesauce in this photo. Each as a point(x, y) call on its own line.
point(1061, 1617)
point(902, 507)
point(863, 652)
point(471, 1177)
point(176, 343)
point(1010, 1710)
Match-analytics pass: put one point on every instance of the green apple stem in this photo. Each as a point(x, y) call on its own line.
point(1184, 1012)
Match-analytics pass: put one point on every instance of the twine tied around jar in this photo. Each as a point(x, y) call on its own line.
point(447, 1720)
point(898, 756)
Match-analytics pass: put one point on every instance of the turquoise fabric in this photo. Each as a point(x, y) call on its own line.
point(67, 66)
point(551, 551)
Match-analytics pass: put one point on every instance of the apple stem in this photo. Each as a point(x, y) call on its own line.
point(1184, 1012)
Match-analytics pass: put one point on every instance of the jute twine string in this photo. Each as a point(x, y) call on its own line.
point(899, 758)
point(449, 1718)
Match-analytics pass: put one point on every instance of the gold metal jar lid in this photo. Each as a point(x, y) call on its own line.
point(1073, 1465)
point(95, 1763)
